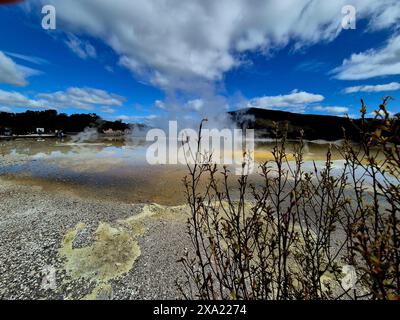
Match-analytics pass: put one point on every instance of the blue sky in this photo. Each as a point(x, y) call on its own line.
point(140, 60)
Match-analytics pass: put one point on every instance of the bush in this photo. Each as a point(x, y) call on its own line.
point(320, 234)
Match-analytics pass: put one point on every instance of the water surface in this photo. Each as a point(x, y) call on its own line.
point(115, 168)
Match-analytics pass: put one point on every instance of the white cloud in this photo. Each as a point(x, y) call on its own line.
point(78, 98)
point(16, 99)
point(195, 105)
point(28, 58)
point(175, 44)
point(160, 105)
point(127, 118)
point(372, 63)
point(389, 16)
point(81, 98)
point(380, 113)
point(393, 86)
point(109, 69)
point(10, 72)
point(296, 101)
point(108, 110)
point(5, 109)
point(123, 117)
point(83, 49)
point(332, 109)
point(29, 72)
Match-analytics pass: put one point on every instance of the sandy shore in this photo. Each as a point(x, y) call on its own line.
point(51, 245)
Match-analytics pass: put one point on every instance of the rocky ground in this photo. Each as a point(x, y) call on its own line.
point(59, 240)
point(60, 246)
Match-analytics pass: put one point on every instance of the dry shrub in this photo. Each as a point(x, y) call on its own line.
point(293, 235)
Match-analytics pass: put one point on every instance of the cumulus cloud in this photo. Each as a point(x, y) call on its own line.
point(372, 63)
point(10, 72)
point(175, 44)
point(78, 98)
point(338, 110)
point(15, 99)
point(296, 101)
point(83, 49)
point(81, 98)
point(393, 86)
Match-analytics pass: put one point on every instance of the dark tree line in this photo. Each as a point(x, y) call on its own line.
point(51, 121)
point(313, 126)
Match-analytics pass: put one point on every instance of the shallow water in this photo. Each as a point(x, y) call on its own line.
point(115, 169)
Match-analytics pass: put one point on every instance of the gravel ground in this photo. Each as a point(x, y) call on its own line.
point(33, 230)
point(58, 243)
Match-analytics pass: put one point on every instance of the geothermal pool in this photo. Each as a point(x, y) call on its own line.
point(115, 168)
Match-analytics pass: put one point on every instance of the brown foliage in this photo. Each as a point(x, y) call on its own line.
point(289, 237)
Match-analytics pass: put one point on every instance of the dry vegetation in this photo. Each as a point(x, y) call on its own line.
point(300, 235)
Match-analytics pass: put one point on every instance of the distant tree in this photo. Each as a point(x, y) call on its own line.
point(50, 120)
point(113, 125)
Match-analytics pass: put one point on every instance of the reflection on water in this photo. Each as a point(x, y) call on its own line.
point(112, 169)
point(132, 150)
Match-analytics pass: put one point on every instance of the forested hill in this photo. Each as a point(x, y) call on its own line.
point(314, 126)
